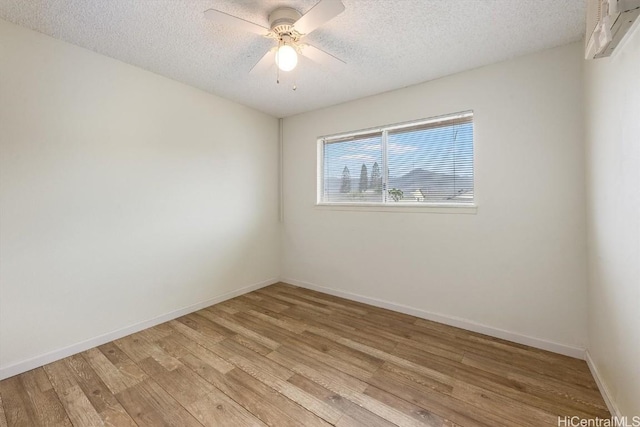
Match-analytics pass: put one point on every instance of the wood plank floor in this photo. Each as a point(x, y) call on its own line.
point(287, 356)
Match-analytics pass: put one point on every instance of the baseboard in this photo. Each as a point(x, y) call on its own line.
point(52, 356)
point(448, 320)
point(604, 390)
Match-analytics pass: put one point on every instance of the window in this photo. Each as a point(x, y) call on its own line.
point(425, 162)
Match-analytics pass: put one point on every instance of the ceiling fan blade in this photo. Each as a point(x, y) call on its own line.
point(322, 12)
point(320, 56)
point(233, 21)
point(265, 62)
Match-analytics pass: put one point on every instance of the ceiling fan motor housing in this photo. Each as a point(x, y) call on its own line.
point(282, 19)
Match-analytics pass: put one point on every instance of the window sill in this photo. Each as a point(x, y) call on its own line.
point(404, 208)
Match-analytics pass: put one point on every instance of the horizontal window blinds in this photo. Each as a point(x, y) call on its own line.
point(352, 169)
point(432, 163)
point(424, 162)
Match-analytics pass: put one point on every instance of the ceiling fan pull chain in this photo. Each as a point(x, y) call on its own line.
point(278, 68)
point(295, 79)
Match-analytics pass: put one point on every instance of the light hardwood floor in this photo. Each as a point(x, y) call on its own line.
point(287, 356)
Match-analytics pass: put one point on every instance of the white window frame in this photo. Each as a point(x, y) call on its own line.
point(385, 206)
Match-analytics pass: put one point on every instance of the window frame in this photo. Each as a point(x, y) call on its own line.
point(385, 205)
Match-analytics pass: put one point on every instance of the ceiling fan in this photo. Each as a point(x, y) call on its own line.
point(287, 27)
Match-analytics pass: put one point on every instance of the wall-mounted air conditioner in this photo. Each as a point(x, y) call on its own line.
point(607, 23)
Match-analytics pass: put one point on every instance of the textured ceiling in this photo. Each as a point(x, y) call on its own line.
point(386, 44)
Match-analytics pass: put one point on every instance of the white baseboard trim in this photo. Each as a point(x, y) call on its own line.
point(448, 320)
point(35, 362)
point(604, 390)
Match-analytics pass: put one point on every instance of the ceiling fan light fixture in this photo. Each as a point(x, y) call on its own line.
point(286, 57)
point(287, 27)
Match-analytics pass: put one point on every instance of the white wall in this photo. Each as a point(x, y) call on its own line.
point(519, 264)
point(612, 87)
point(124, 196)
